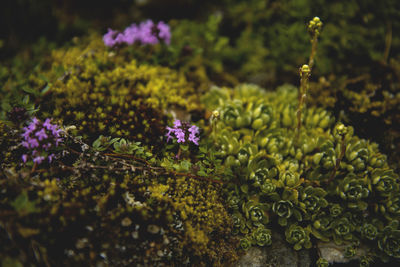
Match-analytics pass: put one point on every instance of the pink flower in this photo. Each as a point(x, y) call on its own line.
point(181, 130)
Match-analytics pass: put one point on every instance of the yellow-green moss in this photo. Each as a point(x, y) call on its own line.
point(106, 92)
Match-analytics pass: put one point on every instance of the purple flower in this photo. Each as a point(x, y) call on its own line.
point(47, 124)
point(35, 120)
point(55, 131)
point(26, 133)
point(109, 38)
point(50, 157)
point(180, 135)
point(194, 130)
point(120, 39)
point(31, 126)
point(177, 123)
point(38, 159)
point(25, 144)
point(164, 32)
point(146, 33)
point(168, 135)
point(41, 134)
point(39, 137)
point(33, 143)
point(181, 130)
point(58, 141)
point(131, 34)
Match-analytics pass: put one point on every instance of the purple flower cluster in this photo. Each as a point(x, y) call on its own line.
point(145, 33)
point(182, 131)
point(39, 137)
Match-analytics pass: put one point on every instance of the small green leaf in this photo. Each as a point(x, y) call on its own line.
point(25, 101)
point(244, 188)
point(22, 204)
point(10, 262)
point(297, 246)
point(184, 147)
point(201, 173)
point(45, 89)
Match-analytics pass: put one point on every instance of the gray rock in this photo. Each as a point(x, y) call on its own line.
point(279, 254)
point(336, 254)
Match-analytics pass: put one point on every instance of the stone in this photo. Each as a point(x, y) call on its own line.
point(279, 254)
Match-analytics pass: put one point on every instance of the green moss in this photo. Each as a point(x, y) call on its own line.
point(115, 207)
point(103, 92)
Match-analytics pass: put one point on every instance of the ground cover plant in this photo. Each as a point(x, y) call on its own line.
point(116, 151)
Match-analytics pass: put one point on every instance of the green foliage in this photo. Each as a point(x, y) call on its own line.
point(128, 199)
point(389, 241)
point(301, 186)
point(321, 262)
point(104, 92)
point(115, 193)
point(262, 237)
point(297, 236)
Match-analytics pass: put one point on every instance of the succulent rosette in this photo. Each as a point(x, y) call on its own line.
point(285, 209)
point(256, 212)
point(289, 179)
point(384, 182)
point(335, 210)
point(262, 236)
point(356, 155)
point(369, 231)
point(342, 230)
point(245, 243)
point(389, 242)
point(354, 189)
point(312, 199)
point(298, 236)
point(260, 169)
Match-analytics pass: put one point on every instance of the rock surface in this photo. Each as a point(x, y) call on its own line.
point(279, 254)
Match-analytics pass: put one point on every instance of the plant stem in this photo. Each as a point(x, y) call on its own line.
point(304, 76)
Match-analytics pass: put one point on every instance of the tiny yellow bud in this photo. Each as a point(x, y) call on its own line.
point(341, 129)
point(215, 114)
point(305, 70)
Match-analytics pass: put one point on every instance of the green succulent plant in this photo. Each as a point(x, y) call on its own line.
point(385, 182)
point(262, 237)
point(342, 230)
point(256, 213)
point(239, 224)
point(357, 155)
point(289, 179)
point(354, 189)
point(311, 200)
point(329, 184)
point(321, 262)
point(365, 261)
point(369, 231)
point(261, 168)
point(392, 206)
point(335, 210)
point(245, 243)
point(389, 241)
point(298, 236)
point(285, 209)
